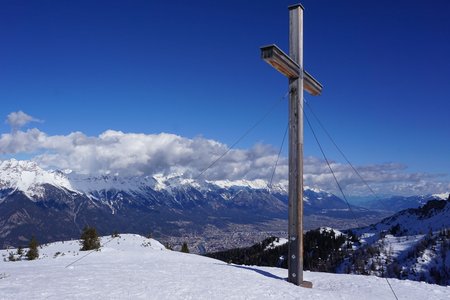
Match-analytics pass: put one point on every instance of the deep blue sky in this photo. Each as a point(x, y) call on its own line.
point(193, 68)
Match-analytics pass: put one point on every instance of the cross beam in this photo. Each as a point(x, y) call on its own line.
point(289, 68)
point(292, 67)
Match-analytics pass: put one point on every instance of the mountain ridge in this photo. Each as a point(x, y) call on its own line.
point(33, 200)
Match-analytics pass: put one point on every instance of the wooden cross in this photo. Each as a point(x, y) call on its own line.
point(292, 67)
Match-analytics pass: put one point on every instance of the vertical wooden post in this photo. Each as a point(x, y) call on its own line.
point(295, 231)
point(291, 66)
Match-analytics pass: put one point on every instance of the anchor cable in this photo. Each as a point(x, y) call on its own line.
point(90, 252)
point(377, 197)
point(278, 157)
point(246, 133)
point(329, 166)
point(337, 182)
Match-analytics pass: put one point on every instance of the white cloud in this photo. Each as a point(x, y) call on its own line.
point(389, 178)
point(138, 153)
point(21, 141)
point(19, 119)
point(134, 153)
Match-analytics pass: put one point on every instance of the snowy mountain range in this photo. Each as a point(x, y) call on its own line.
point(134, 267)
point(55, 205)
point(29, 178)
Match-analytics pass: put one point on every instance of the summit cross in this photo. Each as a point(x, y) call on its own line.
point(292, 67)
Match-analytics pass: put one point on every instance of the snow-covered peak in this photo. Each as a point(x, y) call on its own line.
point(28, 177)
point(173, 181)
point(442, 196)
point(314, 189)
point(89, 184)
point(254, 184)
point(317, 191)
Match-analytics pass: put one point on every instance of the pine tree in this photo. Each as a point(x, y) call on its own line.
point(33, 252)
point(168, 246)
point(184, 248)
point(90, 239)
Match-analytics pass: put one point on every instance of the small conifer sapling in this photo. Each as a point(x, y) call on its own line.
point(89, 239)
point(184, 248)
point(33, 252)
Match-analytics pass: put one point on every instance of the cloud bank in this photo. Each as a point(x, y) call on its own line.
point(127, 154)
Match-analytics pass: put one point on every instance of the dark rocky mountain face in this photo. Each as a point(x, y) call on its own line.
point(58, 216)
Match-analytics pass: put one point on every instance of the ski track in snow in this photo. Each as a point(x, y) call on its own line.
point(134, 267)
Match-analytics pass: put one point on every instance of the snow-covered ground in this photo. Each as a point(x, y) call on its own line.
point(329, 229)
point(134, 267)
point(276, 243)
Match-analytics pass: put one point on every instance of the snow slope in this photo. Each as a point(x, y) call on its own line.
point(442, 196)
point(277, 243)
point(133, 267)
point(414, 221)
point(412, 244)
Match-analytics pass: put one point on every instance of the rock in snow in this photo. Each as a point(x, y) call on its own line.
point(134, 267)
